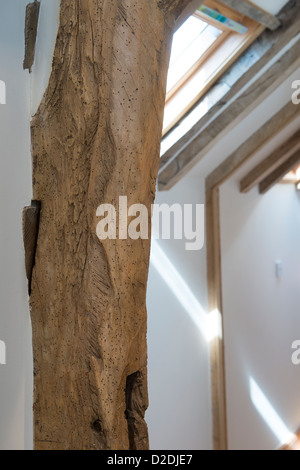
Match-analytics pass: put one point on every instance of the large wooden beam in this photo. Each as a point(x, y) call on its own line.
point(174, 7)
point(256, 142)
point(254, 12)
point(270, 164)
point(95, 137)
point(241, 98)
point(279, 173)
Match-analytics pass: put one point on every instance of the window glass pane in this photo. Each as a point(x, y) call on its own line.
point(190, 42)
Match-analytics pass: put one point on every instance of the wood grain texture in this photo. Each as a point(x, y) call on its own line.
point(273, 161)
point(95, 137)
point(254, 12)
point(279, 173)
point(249, 148)
point(214, 290)
point(31, 25)
point(175, 7)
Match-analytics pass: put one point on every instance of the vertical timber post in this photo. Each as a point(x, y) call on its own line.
point(95, 137)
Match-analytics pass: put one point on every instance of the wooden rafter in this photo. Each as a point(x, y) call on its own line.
point(279, 173)
point(235, 103)
point(271, 163)
point(254, 12)
point(249, 148)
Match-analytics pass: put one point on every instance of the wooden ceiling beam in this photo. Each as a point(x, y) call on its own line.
point(257, 141)
point(254, 12)
point(271, 163)
point(279, 173)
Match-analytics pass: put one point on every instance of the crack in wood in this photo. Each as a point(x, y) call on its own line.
point(31, 220)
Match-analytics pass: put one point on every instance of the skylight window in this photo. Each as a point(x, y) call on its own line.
point(203, 47)
point(191, 41)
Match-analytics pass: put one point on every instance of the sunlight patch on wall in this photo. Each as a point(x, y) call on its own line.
point(269, 414)
point(179, 288)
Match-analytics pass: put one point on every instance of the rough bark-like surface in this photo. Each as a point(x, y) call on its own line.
point(31, 26)
point(173, 6)
point(95, 137)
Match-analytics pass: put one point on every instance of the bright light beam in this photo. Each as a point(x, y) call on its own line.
point(269, 414)
point(180, 289)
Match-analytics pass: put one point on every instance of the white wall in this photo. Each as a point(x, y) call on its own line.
point(15, 193)
point(24, 93)
point(192, 267)
point(261, 313)
point(179, 416)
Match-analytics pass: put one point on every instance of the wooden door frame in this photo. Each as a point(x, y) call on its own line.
point(214, 263)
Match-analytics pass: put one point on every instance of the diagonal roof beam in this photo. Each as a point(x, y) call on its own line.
point(279, 173)
point(271, 163)
point(254, 12)
point(257, 141)
point(231, 106)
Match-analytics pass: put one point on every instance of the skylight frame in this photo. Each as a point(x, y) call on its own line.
point(229, 45)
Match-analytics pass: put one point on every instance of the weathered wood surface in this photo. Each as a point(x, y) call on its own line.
point(254, 12)
point(31, 26)
point(279, 173)
point(273, 161)
point(95, 137)
point(256, 142)
point(173, 7)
